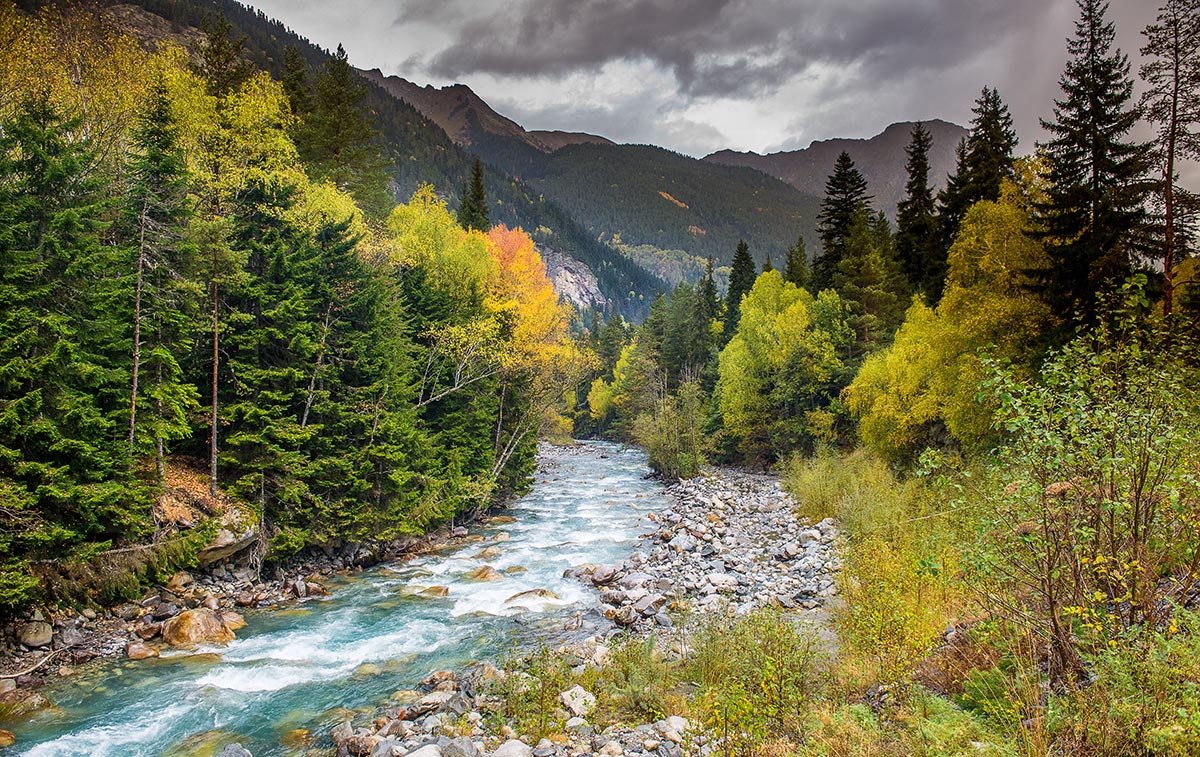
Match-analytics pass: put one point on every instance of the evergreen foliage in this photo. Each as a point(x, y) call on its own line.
point(741, 279)
point(916, 216)
point(796, 268)
point(1094, 201)
point(473, 211)
point(845, 195)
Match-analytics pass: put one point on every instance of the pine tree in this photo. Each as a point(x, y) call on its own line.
point(796, 268)
point(295, 82)
point(870, 281)
point(1096, 179)
point(1172, 102)
point(157, 213)
point(845, 194)
point(741, 281)
point(337, 140)
point(983, 161)
point(63, 364)
point(473, 211)
point(222, 64)
point(915, 219)
point(766, 266)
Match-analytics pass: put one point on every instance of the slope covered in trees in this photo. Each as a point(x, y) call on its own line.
point(417, 151)
point(180, 288)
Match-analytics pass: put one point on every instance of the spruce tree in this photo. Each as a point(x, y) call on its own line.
point(796, 268)
point(767, 266)
point(983, 161)
point(845, 194)
point(63, 463)
point(222, 64)
point(870, 281)
point(1172, 102)
point(473, 211)
point(295, 82)
point(337, 140)
point(1094, 201)
point(741, 281)
point(915, 219)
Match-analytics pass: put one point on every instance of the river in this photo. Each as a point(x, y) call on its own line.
point(300, 668)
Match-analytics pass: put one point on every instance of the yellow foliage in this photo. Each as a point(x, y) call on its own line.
point(931, 373)
point(424, 233)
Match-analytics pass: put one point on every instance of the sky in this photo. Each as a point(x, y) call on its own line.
point(697, 76)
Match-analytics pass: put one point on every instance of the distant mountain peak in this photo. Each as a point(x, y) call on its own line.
point(466, 118)
point(880, 158)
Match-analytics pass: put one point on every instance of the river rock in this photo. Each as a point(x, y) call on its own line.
point(199, 626)
point(180, 582)
point(71, 636)
point(429, 750)
point(485, 573)
point(235, 750)
point(233, 620)
point(341, 733)
point(578, 701)
point(603, 574)
point(7, 738)
point(513, 748)
point(533, 594)
point(35, 634)
point(136, 650)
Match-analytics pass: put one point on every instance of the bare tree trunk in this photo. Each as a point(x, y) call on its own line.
point(137, 331)
point(216, 361)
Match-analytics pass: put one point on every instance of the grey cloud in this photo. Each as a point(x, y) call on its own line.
point(724, 47)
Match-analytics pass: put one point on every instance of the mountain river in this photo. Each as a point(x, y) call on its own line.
point(302, 666)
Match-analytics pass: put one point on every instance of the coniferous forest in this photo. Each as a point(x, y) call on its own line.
point(237, 274)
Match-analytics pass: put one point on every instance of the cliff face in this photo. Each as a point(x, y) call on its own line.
point(573, 280)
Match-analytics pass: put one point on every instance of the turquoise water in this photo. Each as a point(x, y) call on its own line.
point(301, 667)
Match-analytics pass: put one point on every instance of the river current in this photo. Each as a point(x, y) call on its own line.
point(302, 667)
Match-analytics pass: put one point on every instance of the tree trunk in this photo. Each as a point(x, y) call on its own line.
point(137, 331)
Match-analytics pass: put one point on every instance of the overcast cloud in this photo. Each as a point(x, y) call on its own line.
point(701, 75)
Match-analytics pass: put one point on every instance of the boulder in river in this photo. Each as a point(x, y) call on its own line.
point(136, 650)
point(533, 594)
point(199, 626)
point(7, 738)
point(485, 573)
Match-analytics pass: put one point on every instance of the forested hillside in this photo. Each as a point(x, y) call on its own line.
point(417, 151)
point(189, 282)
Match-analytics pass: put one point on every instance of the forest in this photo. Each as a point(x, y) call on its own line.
point(201, 270)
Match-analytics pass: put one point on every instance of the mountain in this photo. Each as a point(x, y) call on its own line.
point(419, 149)
point(637, 195)
point(463, 115)
point(880, 159)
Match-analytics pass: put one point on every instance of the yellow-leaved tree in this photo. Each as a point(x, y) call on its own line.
point(925, 387)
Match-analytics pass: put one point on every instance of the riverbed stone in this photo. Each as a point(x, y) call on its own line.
point(235, 750)
point(199, 626)
point(578, 701)
point(35, 634)
point(484, 573)
point(513, 748)
point(137, 650)
point(7, 738)
point(429, 750)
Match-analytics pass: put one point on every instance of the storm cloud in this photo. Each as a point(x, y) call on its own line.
point(701, 75)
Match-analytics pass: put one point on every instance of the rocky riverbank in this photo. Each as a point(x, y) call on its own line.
point(729, 543)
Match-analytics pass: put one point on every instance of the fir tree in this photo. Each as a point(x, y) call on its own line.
point(337, 139)
point(845, 194)
point(796, 268)
point(222, 64)
point(915, 219)
point(983, 161)
point(1096, 179)
point(473, 211)
point(741, 281)
point(870, 281)
point(766, 266)
point(62, 348)
point(295, 82)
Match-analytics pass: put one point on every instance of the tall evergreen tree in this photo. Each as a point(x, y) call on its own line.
point(1093, 203)
point(157, 212)
point(916, 219)
point(983, 161)
point(1172, 102)
point(63, 471)
point(871, 283)
point(767, 266)
point(222, 64)
point(741, 281)
point(337, 139)
point(796, 268)
point(295, 82)
point(845, 194)
point(473, 211)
